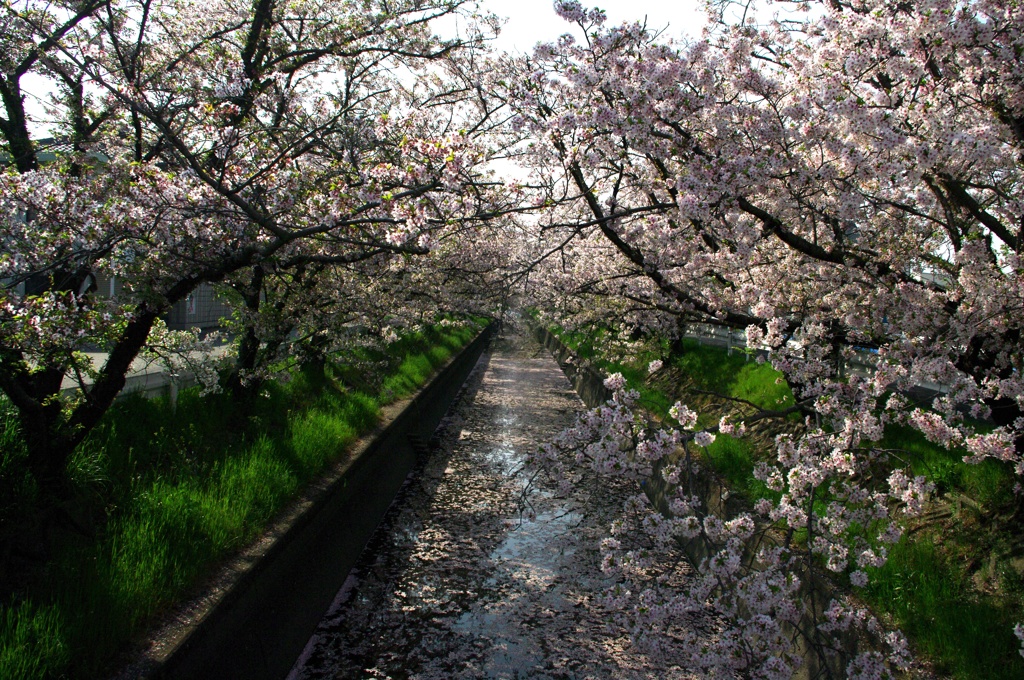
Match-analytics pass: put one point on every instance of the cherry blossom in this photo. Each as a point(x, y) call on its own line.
point(834, 179)
point(273, 150)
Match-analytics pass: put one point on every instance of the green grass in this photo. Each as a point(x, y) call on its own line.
point(733, 375)
point(964, 634)
point(733, 459)
point(34, 644)
point(930, 600)
point(925, 585)
point(989, 482)
point(170, 493)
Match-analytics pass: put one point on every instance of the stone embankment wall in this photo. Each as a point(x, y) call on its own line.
point(264, 607)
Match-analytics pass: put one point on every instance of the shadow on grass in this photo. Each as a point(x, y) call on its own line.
point(167, 493)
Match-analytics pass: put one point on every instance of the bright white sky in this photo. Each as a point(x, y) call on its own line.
point(533, 21)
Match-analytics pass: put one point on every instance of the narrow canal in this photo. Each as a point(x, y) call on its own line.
point(463, 580)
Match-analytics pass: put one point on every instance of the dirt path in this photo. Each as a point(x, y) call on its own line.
point(459, 581)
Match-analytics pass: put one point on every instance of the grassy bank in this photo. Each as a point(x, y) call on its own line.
point(163, 495)
point(954, 582)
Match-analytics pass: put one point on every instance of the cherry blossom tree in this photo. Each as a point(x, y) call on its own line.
point(236, 141)
point(448, 257)
point(830, 177)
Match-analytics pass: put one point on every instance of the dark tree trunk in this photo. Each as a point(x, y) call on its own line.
point(15, 128)
point(249, 343)
point(50, 434)
point(48, 450)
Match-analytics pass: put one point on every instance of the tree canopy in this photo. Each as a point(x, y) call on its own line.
point(832, 177)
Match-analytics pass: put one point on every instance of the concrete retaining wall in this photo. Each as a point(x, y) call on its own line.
point(586, 380)
point(256, 625)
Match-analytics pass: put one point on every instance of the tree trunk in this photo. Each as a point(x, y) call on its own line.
point(249, 344)
point(50, 434)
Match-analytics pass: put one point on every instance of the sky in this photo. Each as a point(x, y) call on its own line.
point(533, 21)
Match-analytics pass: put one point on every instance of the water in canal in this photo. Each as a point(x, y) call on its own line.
point(463, 580)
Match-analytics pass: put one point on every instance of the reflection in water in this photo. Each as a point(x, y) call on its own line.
point(459, 582)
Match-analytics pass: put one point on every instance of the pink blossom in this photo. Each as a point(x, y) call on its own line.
point(703, 438)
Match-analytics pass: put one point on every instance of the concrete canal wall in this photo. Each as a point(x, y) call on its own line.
point(256, 624)
point(586, 380)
